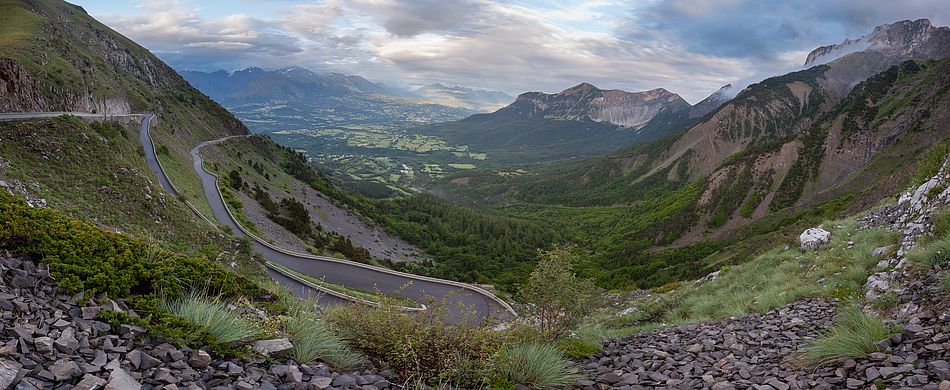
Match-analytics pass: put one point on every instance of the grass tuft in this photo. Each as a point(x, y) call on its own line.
point(930, 254)
point(537, 365)
point(212, 314)
point(313, 339)
point(855, 335)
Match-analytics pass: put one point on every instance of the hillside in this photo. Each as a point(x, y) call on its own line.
point(577, 122)
point(55, 57)
point(781, 150)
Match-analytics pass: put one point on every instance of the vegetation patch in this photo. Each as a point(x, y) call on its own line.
point(537, 365)
point(214, 315)
point(855, 335)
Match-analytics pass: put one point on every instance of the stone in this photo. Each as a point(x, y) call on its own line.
point(90, 382)
point(43, 345)
point(320, 383)
point(200, 359)
point(344, 381)
point(8, 372)
point(814, 238)
point(242, 385)
point(67, 343)
point(90, 312)
point(65, 369)
point(275, 347)
point(119, 379)
point(294, 374)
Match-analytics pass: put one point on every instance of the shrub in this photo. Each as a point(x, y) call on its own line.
point(420, 345)
point(579, 348)
point(557, 298)
point(313, 339)
point(83, 257)
point(212, 314)
point(854, 335)
point(537, 365)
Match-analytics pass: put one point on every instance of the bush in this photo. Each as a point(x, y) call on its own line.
point(854, 335)
point(556, 297)
point(537, 365)
point(83, 257)
point(212, 314)
point(420, 345)
point(313, 339)
point(578, 348)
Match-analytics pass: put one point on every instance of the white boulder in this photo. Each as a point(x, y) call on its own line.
point(814, 238)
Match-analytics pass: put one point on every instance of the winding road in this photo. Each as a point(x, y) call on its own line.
point(457, 296)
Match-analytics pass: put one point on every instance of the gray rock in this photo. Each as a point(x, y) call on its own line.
point(119, 379)
point(344, 381)
point(90, 382)
point(275, 347)
point(65, 369)
point(200, 359)
point(8, 372)
point(320, 383)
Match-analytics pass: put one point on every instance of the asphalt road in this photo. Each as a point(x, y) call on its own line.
point(421, 289)
point(349, 274)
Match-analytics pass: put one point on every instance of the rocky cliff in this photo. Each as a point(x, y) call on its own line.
point(587, 102)
point(905, 39)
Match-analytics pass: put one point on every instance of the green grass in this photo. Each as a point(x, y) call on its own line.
point(237, 208)
point(537, 365)
point(854, 335)
point(930, 254)
point(212, 314)
point(944, 284)
point(17, 24)
point(185, 179)
point(313, 339)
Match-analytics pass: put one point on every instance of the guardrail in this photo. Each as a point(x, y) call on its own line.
point(335, 293)
point(466, 286)
point(268, 264)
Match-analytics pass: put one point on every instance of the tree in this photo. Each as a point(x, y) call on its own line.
point(557, 297)
point(235, 178)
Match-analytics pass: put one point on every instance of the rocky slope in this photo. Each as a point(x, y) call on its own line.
point(758, 351)
point(587, 102)
point(712, 102)
point(50, 341)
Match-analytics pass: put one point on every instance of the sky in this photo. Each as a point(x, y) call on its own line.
point(690, 47)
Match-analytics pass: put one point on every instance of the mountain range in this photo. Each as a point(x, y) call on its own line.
point(834, 133)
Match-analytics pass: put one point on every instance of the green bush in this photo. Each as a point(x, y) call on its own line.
point(537, 365)
point(213, 315)
point(854, 335)
point(558, 299)
point(420, 345)
point(578, 348)
point(83, 257)
point(313, 339)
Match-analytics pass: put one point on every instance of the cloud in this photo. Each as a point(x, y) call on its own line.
point(690, 47)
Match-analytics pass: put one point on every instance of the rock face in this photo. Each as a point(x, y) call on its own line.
point(49, 343)
point(905, 39)
point(712, 102)
point(587, 102)
point(814, 238)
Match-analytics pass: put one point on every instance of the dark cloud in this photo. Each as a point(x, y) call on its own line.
point(763, 29)
point(412, 17)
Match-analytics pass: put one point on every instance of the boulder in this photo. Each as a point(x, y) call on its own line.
point(814, 238)
point(275, 348)
point(8, 372)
